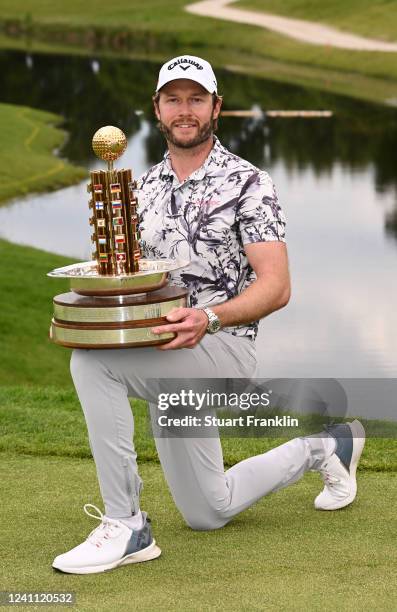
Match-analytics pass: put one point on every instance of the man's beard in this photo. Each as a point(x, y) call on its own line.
point(203, 134)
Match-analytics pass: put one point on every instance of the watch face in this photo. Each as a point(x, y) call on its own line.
point(214, 323)
point(214, 326)
point(217, 325)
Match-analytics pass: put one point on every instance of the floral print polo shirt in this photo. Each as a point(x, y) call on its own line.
point(207, 219)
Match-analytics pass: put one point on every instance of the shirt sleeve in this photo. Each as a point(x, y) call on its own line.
point(259, 214)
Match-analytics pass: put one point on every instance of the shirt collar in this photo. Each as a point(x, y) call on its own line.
point(211, 165)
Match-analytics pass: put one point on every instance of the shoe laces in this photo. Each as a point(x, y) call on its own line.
point(109, 528)
point(329, 479)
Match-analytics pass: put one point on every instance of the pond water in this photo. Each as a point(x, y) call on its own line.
point(336, 179)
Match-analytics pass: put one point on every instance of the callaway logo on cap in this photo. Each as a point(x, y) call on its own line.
point(188, 67)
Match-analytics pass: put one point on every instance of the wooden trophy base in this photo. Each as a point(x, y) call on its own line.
point(122, 321)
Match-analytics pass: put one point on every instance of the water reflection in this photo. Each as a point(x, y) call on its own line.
point(58, 221)
point(336, 178)
point(89, 93)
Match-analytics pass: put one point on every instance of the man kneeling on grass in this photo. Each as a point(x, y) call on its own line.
point(206, 204)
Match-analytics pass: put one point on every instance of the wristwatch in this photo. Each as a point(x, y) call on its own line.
point(214, 323)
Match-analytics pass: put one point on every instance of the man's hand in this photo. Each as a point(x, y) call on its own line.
point(189, 323)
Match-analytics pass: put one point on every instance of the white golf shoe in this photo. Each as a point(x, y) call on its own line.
point(112, 544)
point(339, 470)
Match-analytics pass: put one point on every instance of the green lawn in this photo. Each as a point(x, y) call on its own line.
point(26, 293)
point(27, 161)
point(43, 421)
point(372, 18)
point(157, 31)
point(279, 555)
point(377, 18)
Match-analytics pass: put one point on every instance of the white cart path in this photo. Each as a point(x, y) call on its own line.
point(304, 31)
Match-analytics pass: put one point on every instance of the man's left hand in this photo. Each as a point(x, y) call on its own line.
point(190, 325)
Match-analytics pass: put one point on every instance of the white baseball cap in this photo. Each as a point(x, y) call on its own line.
point(188, 67)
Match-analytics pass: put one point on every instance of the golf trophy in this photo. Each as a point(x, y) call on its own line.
point(115, 299)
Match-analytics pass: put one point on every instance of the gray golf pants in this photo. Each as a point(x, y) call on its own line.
point(206, 495)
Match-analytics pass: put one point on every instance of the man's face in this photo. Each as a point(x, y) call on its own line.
point(186, 113)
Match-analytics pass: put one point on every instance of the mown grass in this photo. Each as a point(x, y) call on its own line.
point(26, 293)
point(371, 18)
point(280, 555)
point(158, 31)
point(27, 159)
point(48, 421)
